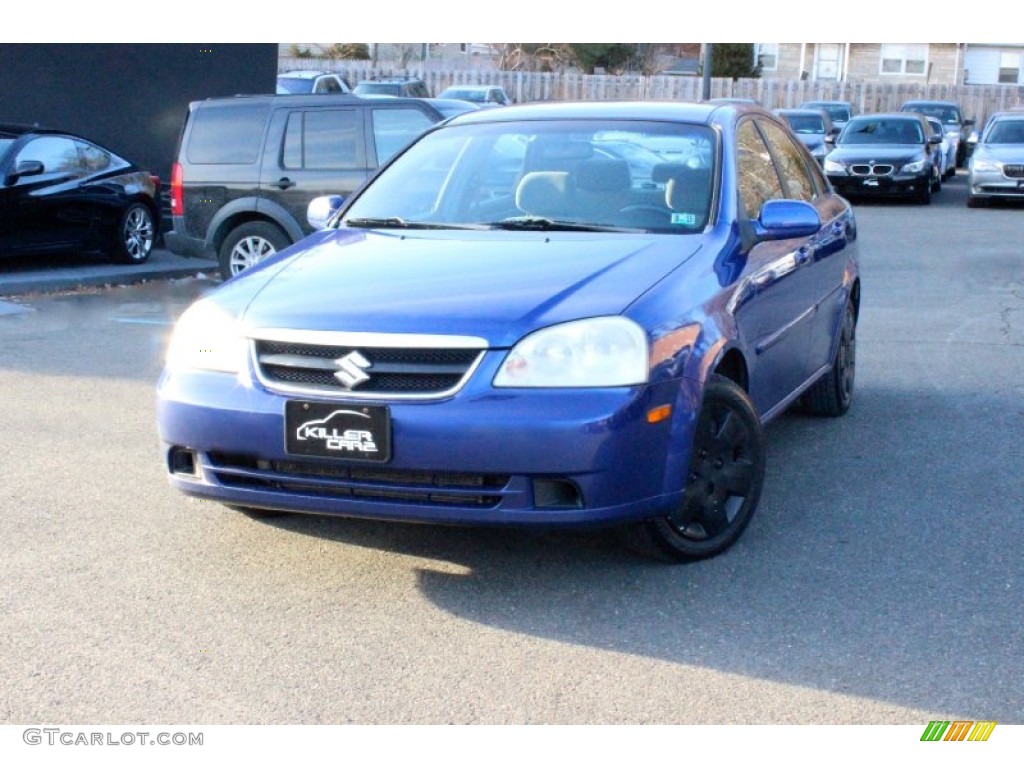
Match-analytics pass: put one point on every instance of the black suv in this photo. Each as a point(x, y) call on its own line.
point(248, 166)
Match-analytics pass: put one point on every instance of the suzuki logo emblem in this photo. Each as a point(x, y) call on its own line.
point(353, 369)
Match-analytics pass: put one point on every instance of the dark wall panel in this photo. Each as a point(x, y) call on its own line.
point(129, 97)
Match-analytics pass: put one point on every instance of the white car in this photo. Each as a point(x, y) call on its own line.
point(947, 167)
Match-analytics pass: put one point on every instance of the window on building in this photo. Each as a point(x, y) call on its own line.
point(904, 59)
point(768, 56)
point(1009, 68)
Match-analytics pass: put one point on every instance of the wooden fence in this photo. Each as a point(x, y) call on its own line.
point(976, 101)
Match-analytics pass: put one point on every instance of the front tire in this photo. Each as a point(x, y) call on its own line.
point(723, 485)
point(248, 244)
point(136, 233)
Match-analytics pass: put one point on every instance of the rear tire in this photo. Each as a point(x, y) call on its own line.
point(832, 394)
point(136, 233)
point(248, 244)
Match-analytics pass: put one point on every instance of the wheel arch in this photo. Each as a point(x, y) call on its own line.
point(247, 210)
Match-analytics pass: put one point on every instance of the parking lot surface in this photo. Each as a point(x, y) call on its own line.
point(879, 581)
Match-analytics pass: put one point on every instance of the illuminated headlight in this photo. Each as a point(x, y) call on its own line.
point(209, 338)
point(987, 165)
point(831, 166)
point(915, 167)
point(599, 352)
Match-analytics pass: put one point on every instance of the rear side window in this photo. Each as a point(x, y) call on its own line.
point(230, 134)
point(329, 139)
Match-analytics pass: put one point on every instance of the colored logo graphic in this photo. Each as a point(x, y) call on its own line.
point(958, 730)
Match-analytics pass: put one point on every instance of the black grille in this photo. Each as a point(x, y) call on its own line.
point(1013, 171)
point(364, 483)
point(392, 371)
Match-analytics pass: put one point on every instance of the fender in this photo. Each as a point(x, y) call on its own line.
point(251, 208)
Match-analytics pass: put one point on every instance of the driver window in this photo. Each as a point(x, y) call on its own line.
point(756, 176)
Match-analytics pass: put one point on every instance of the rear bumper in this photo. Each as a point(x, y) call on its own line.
point(184, 245)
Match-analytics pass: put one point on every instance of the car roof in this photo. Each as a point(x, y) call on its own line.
point(930, 103)
point(20, 129)
point(830, 103)
point(890, 116)
point(305, 73)
point(607, 110)
point(466, 87)
point(808, 112)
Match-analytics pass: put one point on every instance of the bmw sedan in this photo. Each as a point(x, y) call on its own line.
point(60, 192)
point(461, 344)
point(996, 169)
point(889, 155)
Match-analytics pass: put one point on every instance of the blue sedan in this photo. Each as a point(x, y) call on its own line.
point(504, 327)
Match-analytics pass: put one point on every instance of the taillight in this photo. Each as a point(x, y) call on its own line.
point(177, 191)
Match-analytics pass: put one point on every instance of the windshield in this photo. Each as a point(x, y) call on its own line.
point(388, 89)
point(805, 123)
point(547, 175)
point(866, 130)
point(948, 115)
point(837, 112)
point(1006, 132)
point(294, 85)
point(465, 94)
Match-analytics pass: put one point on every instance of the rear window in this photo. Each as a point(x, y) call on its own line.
point(228, 134)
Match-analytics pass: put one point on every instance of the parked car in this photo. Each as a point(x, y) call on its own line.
point(484, 95)
point(945, 151)
point(61, 192)
point(311, 81)
point(814, 129)
point(393, 86)
point(839, 112)
point(996, 169)
point(247, 167)
point(957, 128)
point(551, 347)
point(452, 107)
point(887, 155)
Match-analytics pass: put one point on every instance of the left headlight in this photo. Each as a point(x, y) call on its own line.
point(916, 167)
point(831, 166)
point(209, 338)
point(598, 352)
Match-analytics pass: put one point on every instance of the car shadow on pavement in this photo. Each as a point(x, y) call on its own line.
point(909, 597)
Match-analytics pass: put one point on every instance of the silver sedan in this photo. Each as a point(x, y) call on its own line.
point(997, 164)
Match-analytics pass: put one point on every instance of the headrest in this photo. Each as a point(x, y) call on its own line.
point(542, 193)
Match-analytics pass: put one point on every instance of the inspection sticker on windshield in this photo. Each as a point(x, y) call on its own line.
point(688, 219)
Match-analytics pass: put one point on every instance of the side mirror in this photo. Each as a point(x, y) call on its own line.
point(783, 219)
point(934, 139)
point(321, 209)
point(25, 168)
point(968, 122)
point(832, 135)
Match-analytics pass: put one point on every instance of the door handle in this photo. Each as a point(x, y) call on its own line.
point(285, 183)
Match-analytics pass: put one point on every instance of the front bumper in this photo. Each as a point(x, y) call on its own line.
point(900, 185)
point(485, 455)
point(994, 184)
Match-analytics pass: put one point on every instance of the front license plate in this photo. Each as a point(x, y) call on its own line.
point(338, 431)
point(870, 182)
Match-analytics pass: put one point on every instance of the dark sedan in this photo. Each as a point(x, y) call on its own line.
point(887, 155)
point(814, 128)
point(60, 192)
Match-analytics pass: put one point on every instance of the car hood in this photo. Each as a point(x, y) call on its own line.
point(1004, 153)
point(880, 153)
point(495, 285)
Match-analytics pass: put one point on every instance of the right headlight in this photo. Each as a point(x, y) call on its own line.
point(831, 166)
point(598, 352)
point(209, 338)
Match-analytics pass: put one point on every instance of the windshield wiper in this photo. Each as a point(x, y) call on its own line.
point(396, 222)
point(541, 224)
